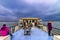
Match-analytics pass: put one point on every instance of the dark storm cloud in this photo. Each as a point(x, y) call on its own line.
point(15, 9)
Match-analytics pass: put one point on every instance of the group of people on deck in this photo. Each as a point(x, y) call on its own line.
point(5, 30)
point(49, 26)
point(27, 27)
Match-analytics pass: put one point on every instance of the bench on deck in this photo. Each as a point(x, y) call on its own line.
point(5, 37)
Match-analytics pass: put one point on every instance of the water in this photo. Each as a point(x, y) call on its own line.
point(54, 24)
point(56, 29)
point(8, 23)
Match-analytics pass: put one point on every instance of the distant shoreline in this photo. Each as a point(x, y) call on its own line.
point(8, 21)
point(17, 21)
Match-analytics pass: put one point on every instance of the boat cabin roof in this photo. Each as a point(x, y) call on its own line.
point(30, 18)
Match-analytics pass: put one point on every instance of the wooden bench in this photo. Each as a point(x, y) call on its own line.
point(5, 37)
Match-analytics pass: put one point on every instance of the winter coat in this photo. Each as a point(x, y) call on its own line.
point(4, 31)
point(49, 26)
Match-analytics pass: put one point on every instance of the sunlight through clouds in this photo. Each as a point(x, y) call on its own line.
point(5, 10)
point(41, 1)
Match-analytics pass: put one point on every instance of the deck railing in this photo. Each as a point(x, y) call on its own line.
point(55, 31)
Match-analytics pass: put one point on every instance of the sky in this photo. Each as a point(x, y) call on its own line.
point(16, 9)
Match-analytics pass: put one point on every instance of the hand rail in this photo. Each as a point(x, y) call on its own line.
point(56, 28)
point(52, 27)
point(56, 32)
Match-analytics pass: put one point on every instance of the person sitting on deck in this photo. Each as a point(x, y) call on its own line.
point(26, 31)
point(4, 30)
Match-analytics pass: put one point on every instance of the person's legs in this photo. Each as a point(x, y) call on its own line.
point(27, 32)
point(49, 32)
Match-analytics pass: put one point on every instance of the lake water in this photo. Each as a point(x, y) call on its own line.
point(8, 23)
point(54, 24)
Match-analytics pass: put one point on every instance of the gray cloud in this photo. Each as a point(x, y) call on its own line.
point(15, 9)
point(5, 10)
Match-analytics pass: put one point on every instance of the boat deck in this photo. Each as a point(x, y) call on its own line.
point(36, 34)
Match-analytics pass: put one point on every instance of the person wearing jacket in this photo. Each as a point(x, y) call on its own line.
point(4, 30)
point(49, 27)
